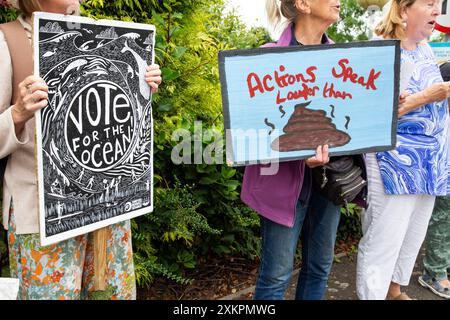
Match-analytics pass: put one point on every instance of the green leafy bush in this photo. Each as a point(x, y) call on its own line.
point(7, 14)
point(350, 224)
point(165, 238)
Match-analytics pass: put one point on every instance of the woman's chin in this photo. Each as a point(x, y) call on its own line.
point(336, 18)
point(333, 20)
point(427, 34)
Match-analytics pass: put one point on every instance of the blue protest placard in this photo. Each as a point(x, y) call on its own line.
point(441, 51)
point(281, 103)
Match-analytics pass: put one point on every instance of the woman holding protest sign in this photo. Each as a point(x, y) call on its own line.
point(404, 182)
point(63, 270)
point(285, 199)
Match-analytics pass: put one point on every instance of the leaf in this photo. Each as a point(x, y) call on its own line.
point(178, 15)
point(227, 173)
point(157, 178)
point(165, 107)
point(179, 52)
point(158, 18)
point(207, 180)
point(220, 249)
point(232, 184)
point(190, 264)
point(168, 74)
point(167, 6)
point(202, 168)
point(229, 237)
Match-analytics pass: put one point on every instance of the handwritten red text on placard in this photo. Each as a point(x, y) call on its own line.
point(280, 79)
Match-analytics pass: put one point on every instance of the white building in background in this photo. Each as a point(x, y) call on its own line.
point(253, 14)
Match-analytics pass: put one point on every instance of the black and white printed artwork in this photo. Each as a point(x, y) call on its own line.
point(95, 137)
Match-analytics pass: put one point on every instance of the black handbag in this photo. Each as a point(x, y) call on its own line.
point(340, 180)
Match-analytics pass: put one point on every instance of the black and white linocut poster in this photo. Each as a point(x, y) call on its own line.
point(95, 137)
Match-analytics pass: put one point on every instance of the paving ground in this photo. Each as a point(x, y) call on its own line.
point(342, 282)
point(341, 285)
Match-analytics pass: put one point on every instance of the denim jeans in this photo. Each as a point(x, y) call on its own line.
point(317, 222)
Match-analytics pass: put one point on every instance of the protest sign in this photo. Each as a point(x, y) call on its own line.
point(441, 51)
point(281, 103)
point(95, 137)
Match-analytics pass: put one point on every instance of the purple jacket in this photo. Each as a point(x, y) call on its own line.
point(275, 196)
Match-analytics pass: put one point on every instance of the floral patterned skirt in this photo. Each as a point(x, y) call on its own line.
point(65, 270)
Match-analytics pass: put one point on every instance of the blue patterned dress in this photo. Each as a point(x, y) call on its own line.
point(419, 163)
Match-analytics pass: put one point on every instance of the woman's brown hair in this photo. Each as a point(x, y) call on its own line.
point(29, 6)
point(392, 25)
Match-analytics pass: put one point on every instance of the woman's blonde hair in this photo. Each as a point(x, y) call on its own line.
point(286, 8)
point(392, 26)
point(29, 6)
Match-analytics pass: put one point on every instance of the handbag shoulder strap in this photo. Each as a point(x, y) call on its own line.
point(20, 51)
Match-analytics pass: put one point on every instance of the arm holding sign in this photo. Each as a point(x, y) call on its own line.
point(434, 93)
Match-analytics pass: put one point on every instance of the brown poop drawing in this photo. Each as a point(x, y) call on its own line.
point(307, 129)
